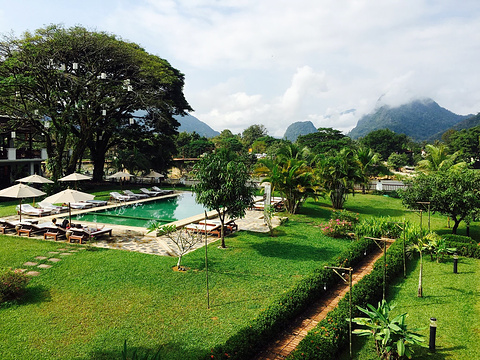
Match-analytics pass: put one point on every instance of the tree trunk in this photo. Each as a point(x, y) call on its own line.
point(455, 226)
point(222, 227)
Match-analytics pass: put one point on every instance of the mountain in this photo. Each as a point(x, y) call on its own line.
point(418, 119)
point(299, 128)
point(190, 124)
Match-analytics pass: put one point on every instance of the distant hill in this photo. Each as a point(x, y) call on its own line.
point(190, 124)
point(419, 119)
point(299, 128)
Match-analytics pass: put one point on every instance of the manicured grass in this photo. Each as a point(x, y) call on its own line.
point(454, 299)
point(86, 305)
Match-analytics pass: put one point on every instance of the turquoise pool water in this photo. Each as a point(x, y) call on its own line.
point(143, 214)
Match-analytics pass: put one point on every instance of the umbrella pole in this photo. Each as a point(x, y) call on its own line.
point(20, 210)
point(70, 214)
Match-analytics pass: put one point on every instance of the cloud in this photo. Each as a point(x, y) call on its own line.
point(274, 62)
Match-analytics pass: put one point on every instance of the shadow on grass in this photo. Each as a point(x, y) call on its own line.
point(292, 251)
point(32, 295)
point(173, 350)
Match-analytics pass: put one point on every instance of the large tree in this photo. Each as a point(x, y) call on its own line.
point(224, 185)
point(385, 142)
point(81, 88)
point(324, 140)
point(454, 193)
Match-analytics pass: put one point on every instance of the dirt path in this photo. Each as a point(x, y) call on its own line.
point(291, 337)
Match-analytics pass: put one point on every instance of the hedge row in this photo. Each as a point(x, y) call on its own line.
point(251, 339)
point(330, 336)
point(465, 245)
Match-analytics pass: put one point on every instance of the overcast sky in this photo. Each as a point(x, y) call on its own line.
point(275, 62)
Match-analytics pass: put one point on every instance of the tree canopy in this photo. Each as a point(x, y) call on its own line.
point(454, 193)
point(385, 142)
point(81, 88)
point(224, 184)
point(325, 140)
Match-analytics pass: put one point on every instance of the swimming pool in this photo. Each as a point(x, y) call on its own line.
point(143, 214)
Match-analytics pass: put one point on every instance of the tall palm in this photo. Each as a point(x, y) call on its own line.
point(291, 176)
point(338, 175)
point(368, 161)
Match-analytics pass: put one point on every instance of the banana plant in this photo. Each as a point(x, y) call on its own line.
point(391, 336)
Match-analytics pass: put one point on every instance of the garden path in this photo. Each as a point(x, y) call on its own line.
point(288, 340)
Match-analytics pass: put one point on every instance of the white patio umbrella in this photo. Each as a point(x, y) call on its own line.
point(75, 177)
point(120, 175)
point(154, 174)
point(35, 179)
point(20, 191)
point(69, 196)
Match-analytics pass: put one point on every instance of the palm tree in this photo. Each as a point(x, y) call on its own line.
point(368, 162)
point(338, 175)
point(291, 175)
point(438, 159)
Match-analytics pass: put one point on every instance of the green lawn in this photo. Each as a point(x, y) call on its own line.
point(454, 299)
point(86, 305)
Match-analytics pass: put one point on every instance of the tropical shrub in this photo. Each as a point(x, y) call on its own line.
point(379, 227)
point(12, 284)
point(345, 215)
point(392, 338)
point(337, 228)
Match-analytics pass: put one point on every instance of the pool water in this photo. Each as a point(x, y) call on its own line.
point(143, 214)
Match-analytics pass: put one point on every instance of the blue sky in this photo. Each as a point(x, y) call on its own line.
point(274, 62)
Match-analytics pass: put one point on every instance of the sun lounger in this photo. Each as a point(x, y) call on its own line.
point(162, 192)
point(208, 229)
point(53, 208)
point(150, 193)
point(7, 225)
point(138, 196)
point(55, 232)
point(119, 197)
point(97, 202)
point(81, 205)
point(29, 228)
point(28, 209)
point(83, 235)
point(229, 224)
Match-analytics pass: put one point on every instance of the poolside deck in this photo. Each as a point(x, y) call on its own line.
point(137, 239)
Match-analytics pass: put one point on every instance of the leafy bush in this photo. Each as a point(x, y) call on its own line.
point(12, 284)
point(337, 228)
point(379, 227)
point(344, 215)
point(459, 239)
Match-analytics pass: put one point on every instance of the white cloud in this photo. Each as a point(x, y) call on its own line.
point(274, 62)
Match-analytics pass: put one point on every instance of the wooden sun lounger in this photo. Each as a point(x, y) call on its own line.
point(6, 225)
point(210, 229)
point(55, 232)
point(29, 228)
point(81, 235)
point(229, 224)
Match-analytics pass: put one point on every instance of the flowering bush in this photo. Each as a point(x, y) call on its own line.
point(344, 215)
point(12, 284)
point(337, 228)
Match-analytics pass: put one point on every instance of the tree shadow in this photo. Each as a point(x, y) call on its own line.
point(292, 251)
point(32, 295)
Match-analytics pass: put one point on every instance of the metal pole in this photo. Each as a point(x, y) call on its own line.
point(350, 322)
point(206, 262)
point(433, 333)
point(384, 267)
point(404, 252)
point(455, 263)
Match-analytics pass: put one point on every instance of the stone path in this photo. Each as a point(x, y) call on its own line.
point(44, 262)
point(291, 337)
